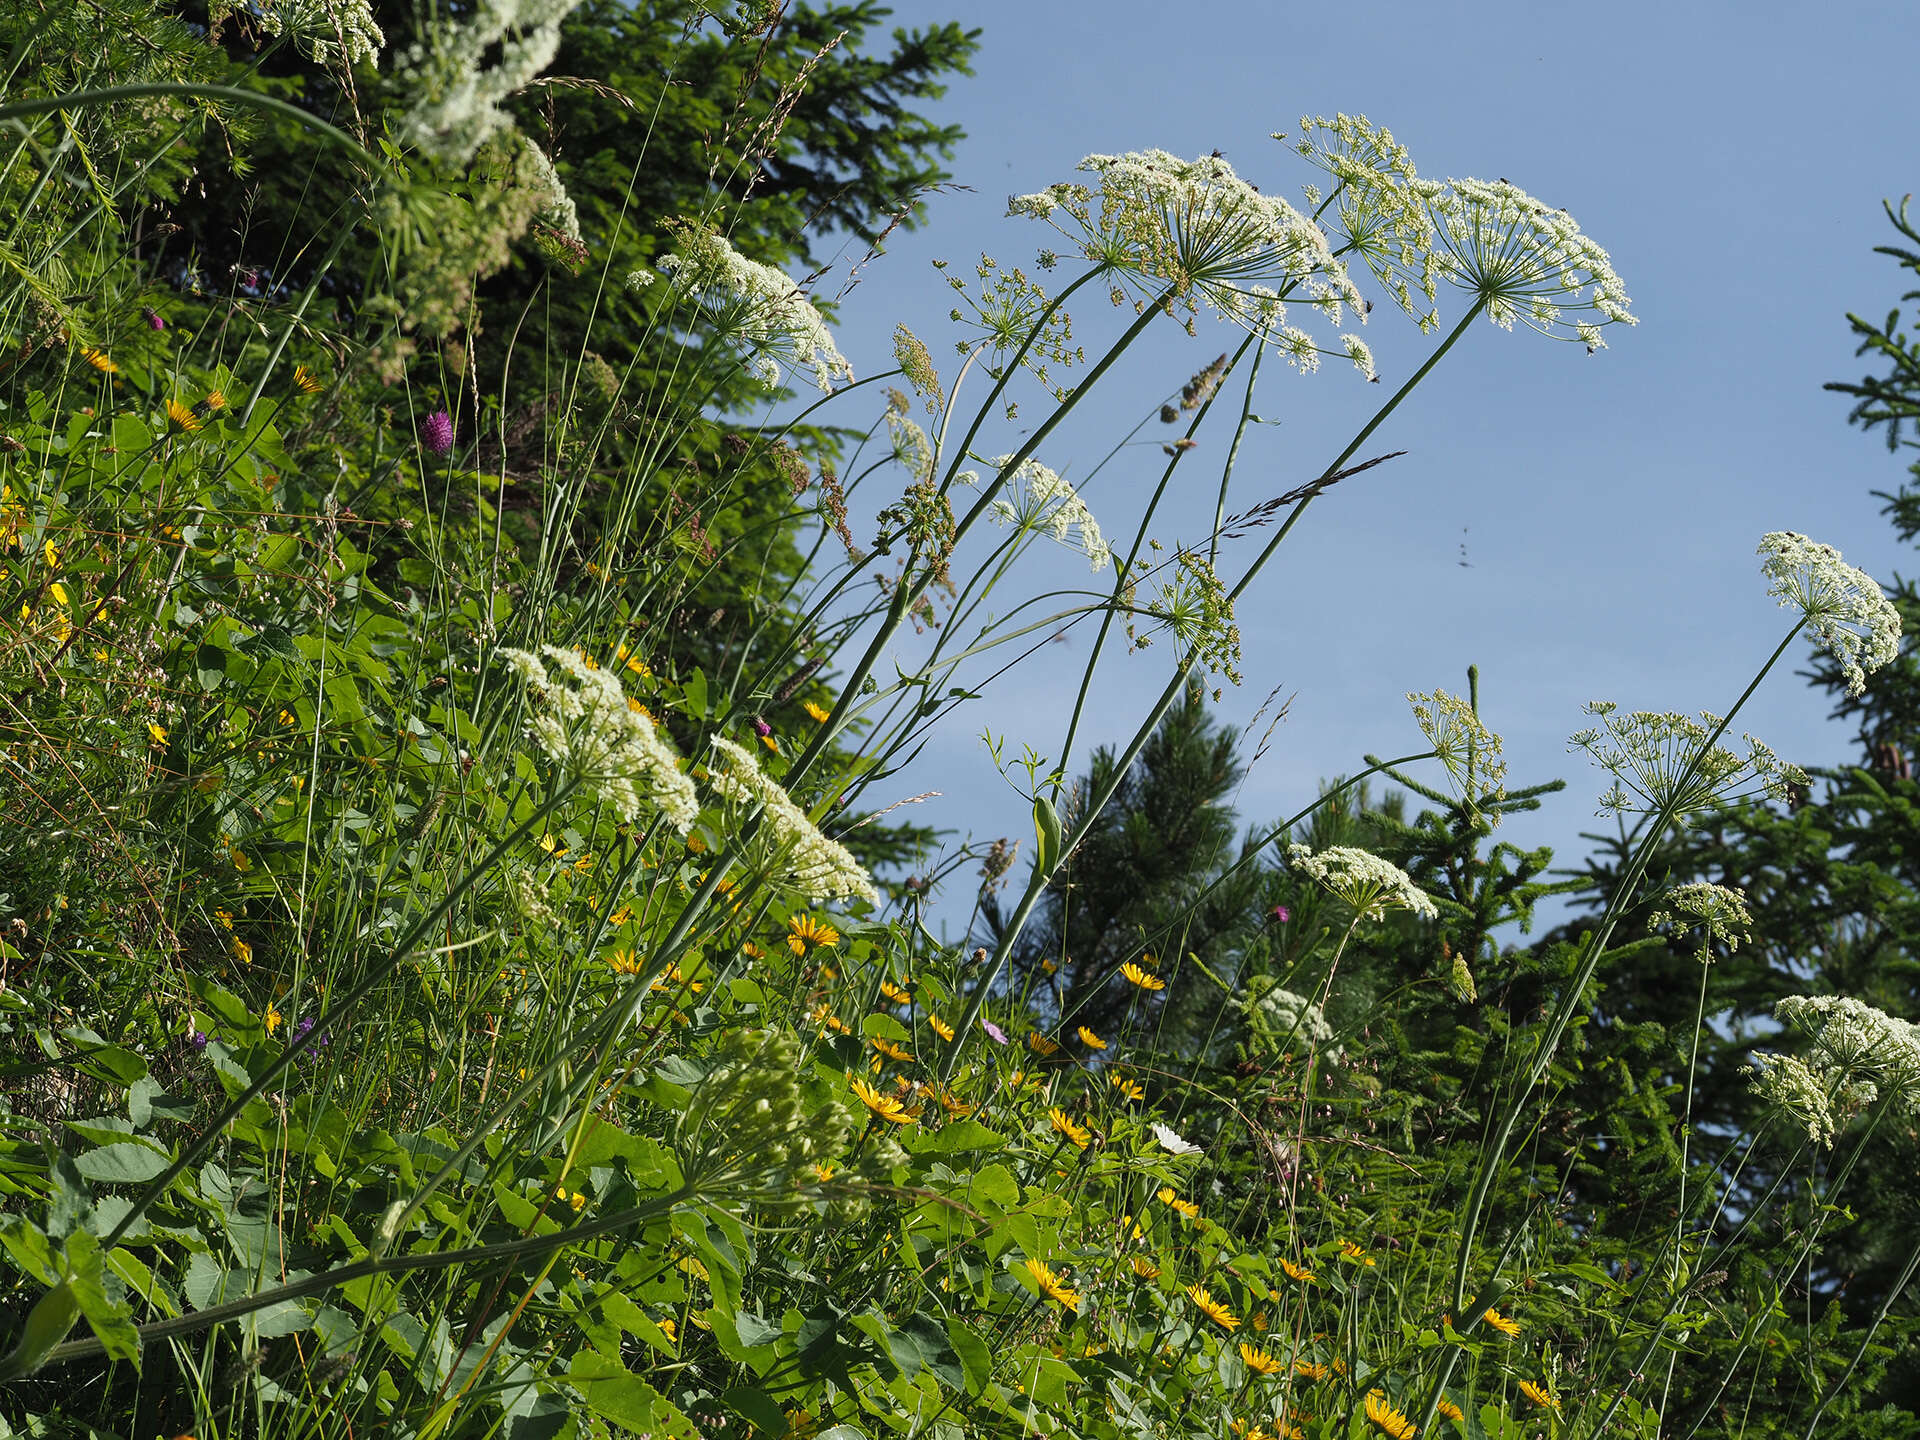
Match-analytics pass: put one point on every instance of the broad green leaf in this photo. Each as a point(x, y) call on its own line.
point(124, 1164)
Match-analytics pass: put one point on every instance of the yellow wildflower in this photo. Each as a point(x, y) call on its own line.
point(1539, 1395)
point(1040, 1044)
point(1212, 1308)
point(272, 1021)
point(1090, 1040)
point(1187, 1208)
point(1078, 1134)
point(1308, 1370)
point(1258, 1361)
point(1391, 1421)
point(805, 930)
point(1145, 1269)
point(305, 381)
point(892, 1051)
point(1053, 1286)
point(158, 733)
point(884, 1106)
point(1351, 1251)
point(100, 361)
point(1131, 1089)
point(242, 951)
point(939, 1026)
point(1447, 1408)
point(1504, 1324)
point(1145, 979)
point(180, 417)
point(894, 993)
point(819, 715)
point(1297, 1272)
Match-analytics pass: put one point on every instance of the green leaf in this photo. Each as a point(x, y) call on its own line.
point(124, 1164)
point(758, 1407)
point(613, 1393)
point(954, 1138)
point(110, 1318)
point(884, 1027)
point(975, 1358)
point(695, 691)
point(994, 1185)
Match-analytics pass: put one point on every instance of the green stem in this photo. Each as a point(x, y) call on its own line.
point(83, 99)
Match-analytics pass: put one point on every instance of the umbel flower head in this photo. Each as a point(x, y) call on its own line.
point(1661, 760)
point(584, 722)
point(323, 27)
point(820, 868)
point(1858, 1055)
point(1372, 886)
point(1376, 206)
point(1196, 228)
point(755, 305)
point(1523, 260)
point(1038, 499)
point(1467, 749)
point(1851, 619)
point(458, 104)
point(1717, 912)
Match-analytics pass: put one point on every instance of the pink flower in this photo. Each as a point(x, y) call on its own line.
point(437, 433)
point(1282, 914)
point(999, 1035)
point(153, 319)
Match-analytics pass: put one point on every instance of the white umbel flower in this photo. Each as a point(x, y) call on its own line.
point(1858, 1044)
point(458, 104)
point(1717, 911)
point(1849, 615)
point(585, 724)
point(1038, 499)
point(1372, 886)
point(323, 28)
point(820, 868)
point(757, 305)
point(1661, 759)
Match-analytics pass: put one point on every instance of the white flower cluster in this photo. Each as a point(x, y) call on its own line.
point(757, 305)
point(585, 723)
point(1372, 886)
point(822, 869)
point(1281, 1015)
point(1718, 912)
point(1524, 260)
point(1467, 749)
point(1374, 204)
point(911, 447)
point(1038, 499)
point(1851, 618)
point(323, 28)
point(1859, 1054)
point(1196, 227)
point(560, 211)
point(458, 104)
point(1661, 759)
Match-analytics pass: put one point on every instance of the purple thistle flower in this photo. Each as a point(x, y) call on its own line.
point(198, 1039)
point(1282, 914)
point(437, 433)
point(153, 319)
point(999, 1035)
point(761, 727)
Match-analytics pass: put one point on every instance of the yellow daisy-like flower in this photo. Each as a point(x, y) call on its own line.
point(552, 846)
point(822, 1172)
point(1187, 1208)
point(1390, 1421)
point(157, 733)
point(1078, 1134)
point(1258, 1361)
point(215, 400)
point(1447, 1408)
point(818, 714)
point(804, 930)
point(954, 1106)
point(1131, 1089)
point(272, 1021)
point(771, 743)
point(632, 662)
point(180, 417)
point(575, 1199)
point(668, 1329)
point(624, 962)
point(242, 951)
point(100, 361)
point(1089, 1039)
point(1053, 1286)
point(894, 993)
point(884, 1106)
point(1212, 1308)
point(1504, 1324)
point(752, 951)
point(1297, 1272)
point(833, 1022)
point(1041, 1045)
point(1540, 1396)
point(51, 555)
point(306, 382)
point(1145, 979)
point(224, 917)
point(1351, 1251)
point(1145, 1269)
point(1308, 1370)
point(939, 1026)
point(892, 1051)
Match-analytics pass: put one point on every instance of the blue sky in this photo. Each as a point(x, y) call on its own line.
point(1732, 159)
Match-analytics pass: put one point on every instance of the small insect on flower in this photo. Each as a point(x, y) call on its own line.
point(1053, 1286)
point(1080, 1135)
point(1212, 1308)
point(1504, 1324)
point(1089, 1039)
point(1539, 1395)
point(939, 1026)
point(884, 1107)
point(1390, 1421)
point(1258, 1361)
point(805, 931)
point(1145, 979)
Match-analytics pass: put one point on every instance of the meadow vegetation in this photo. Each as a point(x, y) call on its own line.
point(467, 967)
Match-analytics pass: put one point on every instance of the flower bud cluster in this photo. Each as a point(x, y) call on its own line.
point(1372, 886)
point(757, 306)
point(820, 868)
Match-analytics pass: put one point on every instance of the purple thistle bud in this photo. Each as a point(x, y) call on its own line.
point(1282, 914)
point(153, 319)
point(761, 727)
point(198, 1039)
point(437, 433)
